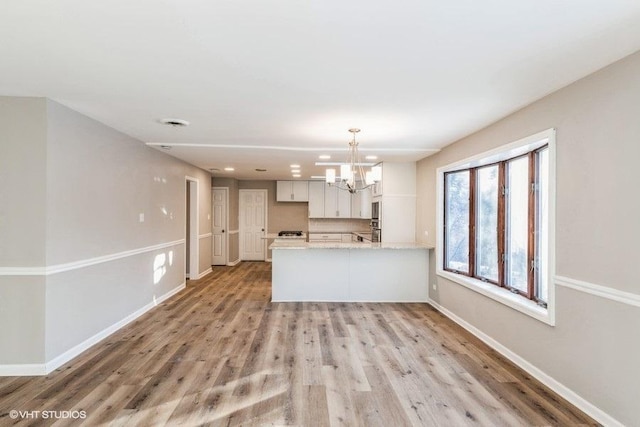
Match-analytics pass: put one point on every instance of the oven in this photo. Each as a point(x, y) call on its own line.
point(376, 235)
point(376, 228)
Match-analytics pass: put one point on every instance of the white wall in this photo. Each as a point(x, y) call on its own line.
point(22, 229)
point(594, 348)
point(102, 264)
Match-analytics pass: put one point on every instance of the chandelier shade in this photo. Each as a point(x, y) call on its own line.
point(353, 177)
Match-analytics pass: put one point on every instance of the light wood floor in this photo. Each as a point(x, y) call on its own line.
point(219, 353)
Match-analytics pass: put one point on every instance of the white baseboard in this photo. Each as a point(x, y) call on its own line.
point(46, 368)
point(204, 273)
point(571, 396)
point(232, 263)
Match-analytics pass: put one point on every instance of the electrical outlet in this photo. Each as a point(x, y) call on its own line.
point(141, 217)
point(434, 286)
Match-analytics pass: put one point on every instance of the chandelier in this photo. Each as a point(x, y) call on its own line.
point(353, 177)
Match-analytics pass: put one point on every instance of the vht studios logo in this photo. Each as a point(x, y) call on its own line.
point(48, 415)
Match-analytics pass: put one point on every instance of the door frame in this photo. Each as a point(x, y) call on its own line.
point(241, 227)
point(191, 228)
point(226, 224)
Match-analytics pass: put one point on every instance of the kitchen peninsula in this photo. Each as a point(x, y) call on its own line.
point(349, 272)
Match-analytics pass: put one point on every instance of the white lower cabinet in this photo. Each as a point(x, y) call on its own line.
point(325, 237)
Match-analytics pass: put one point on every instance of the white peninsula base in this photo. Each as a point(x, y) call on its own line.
point(350, 272)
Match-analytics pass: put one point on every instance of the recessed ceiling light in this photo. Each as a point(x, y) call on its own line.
point(324, 157)
point(294, 166)
point(229, 169)
point(174, 122)
point(295, 170)
point(372, 157)
point(297, 175)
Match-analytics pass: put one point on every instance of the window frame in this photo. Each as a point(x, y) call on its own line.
point(527, 302)
point(470, 269)
point(499, 231)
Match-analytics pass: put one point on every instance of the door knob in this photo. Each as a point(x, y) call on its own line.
point(223, 231)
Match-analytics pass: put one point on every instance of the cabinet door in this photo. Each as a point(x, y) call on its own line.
point(361, 204)
point(316, 199)
point(300, 190)
point(284, 191)
point(331, 201)
point(344, 204)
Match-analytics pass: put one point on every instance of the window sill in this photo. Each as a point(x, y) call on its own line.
point(501, 295)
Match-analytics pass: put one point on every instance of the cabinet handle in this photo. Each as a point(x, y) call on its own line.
point(337, 213)
point(291, 196)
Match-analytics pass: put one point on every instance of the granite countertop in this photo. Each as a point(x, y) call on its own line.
point(337, 245)
point(337, 232)
point(275, 236)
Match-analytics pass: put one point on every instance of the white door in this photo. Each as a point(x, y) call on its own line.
point(253, 219)
point(219, 226)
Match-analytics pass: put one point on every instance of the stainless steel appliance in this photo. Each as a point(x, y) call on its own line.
point(290, 233)
point(376, 227)
point(376, 235)
point(375, 210)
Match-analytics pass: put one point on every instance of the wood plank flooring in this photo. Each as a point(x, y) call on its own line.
point(221, 354)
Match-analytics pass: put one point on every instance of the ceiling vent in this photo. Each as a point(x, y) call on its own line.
point(174, 122)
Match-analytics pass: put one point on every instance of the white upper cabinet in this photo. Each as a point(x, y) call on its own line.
point(337, 203)
point(361, 204)
point(292, 191)
point(316, 199)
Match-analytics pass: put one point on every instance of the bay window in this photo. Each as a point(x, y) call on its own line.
point(495, 221)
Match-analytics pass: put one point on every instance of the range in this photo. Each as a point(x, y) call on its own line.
point(290, 234)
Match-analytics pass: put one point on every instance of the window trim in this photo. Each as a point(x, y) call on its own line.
point(530, 144)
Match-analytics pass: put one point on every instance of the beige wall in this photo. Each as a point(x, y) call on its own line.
point(280, 216)
point(593, 349)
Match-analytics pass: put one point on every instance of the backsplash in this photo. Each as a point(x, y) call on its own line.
point(325, 225)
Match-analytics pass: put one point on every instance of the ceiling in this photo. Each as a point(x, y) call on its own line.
point(266, 84)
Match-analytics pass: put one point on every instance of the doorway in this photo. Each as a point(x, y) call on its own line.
point(191, 229)
point(220, 225)
point(253, 220)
